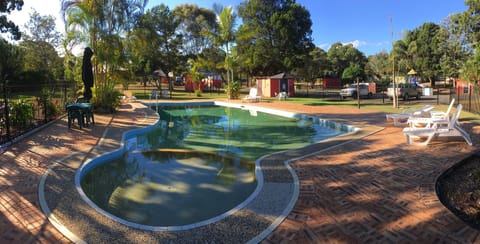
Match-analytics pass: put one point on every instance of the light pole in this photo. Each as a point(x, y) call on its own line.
point(395, 98)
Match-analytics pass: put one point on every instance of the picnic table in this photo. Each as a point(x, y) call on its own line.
point(82, 112)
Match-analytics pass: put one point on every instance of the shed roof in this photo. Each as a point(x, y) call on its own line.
point(283, 76)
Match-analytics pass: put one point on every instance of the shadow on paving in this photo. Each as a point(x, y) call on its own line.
point(359, 194)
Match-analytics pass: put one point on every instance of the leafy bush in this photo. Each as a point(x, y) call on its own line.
point(106, 98)
point(50, 109)
point(21, 113)
point(198, 92)
point(233, 90)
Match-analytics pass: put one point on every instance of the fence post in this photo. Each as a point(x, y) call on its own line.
point(5, 100)
point(470, 88)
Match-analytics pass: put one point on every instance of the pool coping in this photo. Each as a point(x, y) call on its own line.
point(358, 134)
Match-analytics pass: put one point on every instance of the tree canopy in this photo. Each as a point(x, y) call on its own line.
point(275, 35)
point(6, 25)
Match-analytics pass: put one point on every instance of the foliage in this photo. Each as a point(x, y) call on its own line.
point(7, 26)
point(471, 68)
point(379, 66)
point(197, 27)
point(316, 65)
point(155, 43)
point(103, 24)
point(455, 49)
point(21, 113)
point(39, 48)
point(10, 60)
point(42, 28)
point(275, 35)
point(353, 72)
point(342, 56)
point(106, 98)
point(225, 36)
point(233, 90)
point(421, 49)
point(40, 56)
point(471, 21)
point(50, 108)
point(198, 92)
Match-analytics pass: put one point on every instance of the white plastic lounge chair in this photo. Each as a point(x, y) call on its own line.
point(436, 117)
point(402, 118)
point(282, 96)
point(252, 96)
point(453, 129)
point(441, 114)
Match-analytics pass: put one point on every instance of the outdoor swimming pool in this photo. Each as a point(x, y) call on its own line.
point(196, 163)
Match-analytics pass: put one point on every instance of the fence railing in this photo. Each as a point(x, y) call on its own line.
point(468, 94)
point(23, 108)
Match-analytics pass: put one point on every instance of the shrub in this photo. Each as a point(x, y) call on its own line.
point(21, 113)
point(233, 90)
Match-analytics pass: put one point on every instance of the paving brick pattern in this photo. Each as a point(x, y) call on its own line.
point(372, 190)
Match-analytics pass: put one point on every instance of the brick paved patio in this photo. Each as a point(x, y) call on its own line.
point(376, 189)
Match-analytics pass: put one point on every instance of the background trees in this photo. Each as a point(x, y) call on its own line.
point(275, 35)
point(343, 56)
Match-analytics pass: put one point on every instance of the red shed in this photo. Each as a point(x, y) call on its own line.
point(273, 85)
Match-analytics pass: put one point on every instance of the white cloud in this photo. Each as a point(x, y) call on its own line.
point(324, 46)
point(356, 43)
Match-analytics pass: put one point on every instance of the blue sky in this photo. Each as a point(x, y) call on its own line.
point(365, 23)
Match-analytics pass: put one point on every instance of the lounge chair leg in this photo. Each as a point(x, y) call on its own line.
point(423, 143)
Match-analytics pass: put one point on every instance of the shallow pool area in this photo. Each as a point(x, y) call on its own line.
point(168, 187)
point(196, 165)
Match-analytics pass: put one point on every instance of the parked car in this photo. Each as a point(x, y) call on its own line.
point(351, 91)
point(405, 91)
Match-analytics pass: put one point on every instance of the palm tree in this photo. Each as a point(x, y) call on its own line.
point(226, 35)
point(103, 24)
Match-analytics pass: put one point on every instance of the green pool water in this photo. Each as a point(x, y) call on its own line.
point(197, 163)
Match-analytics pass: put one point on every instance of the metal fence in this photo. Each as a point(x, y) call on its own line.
point(468, 94)
point(24, 108)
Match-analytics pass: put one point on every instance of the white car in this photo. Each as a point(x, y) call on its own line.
point(351, 91)
point(405, 91)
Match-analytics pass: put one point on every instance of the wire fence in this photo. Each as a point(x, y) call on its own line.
point(26, 107)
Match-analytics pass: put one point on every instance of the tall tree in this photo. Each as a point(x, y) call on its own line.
point(354, 72)
point(7, 26)
point(40, 45)
point(42, 28)
point(10, 60)
point(421, 49)
point(454, 46)
point(342, 56)
point(379, 66)
point(316, 65)
point(103, 24)
point(161, 25)
point(197, 27)
point(275, 35)
point(472, 20)
point(225, 37)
